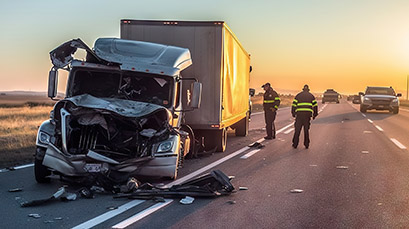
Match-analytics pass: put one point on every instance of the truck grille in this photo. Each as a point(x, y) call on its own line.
point(88, 138)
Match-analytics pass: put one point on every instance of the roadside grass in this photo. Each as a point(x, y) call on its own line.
point(18, 130)
point(257, 100)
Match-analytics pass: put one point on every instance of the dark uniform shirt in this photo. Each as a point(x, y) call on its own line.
point(271, 100)
point(305, 103)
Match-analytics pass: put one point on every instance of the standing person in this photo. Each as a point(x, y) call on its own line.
point(270, 105)
point(304, 107)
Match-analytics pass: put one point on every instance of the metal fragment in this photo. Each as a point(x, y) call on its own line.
point(243, 188)
point(187, 200)
point(34, 215)
point(296, 190)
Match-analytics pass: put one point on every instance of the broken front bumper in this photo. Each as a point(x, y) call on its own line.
point(82, 165)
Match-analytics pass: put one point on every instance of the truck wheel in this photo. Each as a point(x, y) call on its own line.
point(242, 127)
point(41, 172)
point(216, 139)
point(396, 110)
point(362, 109)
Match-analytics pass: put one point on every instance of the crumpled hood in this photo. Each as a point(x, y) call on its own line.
point(126, 108)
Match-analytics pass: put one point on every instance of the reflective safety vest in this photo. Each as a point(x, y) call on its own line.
point(271, 100)
point(305, 102)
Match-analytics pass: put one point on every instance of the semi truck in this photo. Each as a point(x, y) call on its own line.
point(130, 109)
point(220, 63)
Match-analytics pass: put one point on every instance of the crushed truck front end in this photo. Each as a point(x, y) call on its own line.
point(116, 121)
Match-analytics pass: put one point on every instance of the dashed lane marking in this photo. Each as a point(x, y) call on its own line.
point(379, 128)
point(288, 131)
point(142, 214)
point(106, 216)
point(249, 154)
point(398, 144)
point(369, 120)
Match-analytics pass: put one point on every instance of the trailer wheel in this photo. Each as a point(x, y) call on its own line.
point(242, 127)
point(41, 172)
point(396, 110)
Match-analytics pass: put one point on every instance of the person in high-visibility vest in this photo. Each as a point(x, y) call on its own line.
point(303, 108)
point(270, 105)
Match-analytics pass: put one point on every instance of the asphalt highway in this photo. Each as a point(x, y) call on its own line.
point(354, 175)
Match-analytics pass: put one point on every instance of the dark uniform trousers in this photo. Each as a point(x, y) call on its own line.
point(270, 116)
point(302, 120)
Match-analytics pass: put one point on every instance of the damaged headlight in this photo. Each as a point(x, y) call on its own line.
point(165, 146)
point(43, 138)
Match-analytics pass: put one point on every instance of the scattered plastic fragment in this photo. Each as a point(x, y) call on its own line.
point(34, 215)
point(159, 199)
point(342, 167)
point(86, 193)
point(380, 204)
point(187, 200)
point(112, 208)
point(257, 145)
point(56, 195)
point(58, 218)
point(296, 190)
point(367, 132)
point(48, 221)
point(231, 202)
point(313, 165)
point(69, 197)
point(365, 152)
point(15, 190)
point(243, 188)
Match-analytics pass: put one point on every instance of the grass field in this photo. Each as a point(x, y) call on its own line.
point(18, 130)
point(286, 101)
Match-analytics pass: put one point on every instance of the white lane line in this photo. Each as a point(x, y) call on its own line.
point(363, 115)
point(397, 143)
point(288, 131)
point(108, 215)
point(369, 120)
point(99, 219)
point(403, 109)
point(251, 153)
point(379, 128)
point(135, 218)
point(17, 167)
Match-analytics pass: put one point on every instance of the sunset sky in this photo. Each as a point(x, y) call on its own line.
point(340, 44)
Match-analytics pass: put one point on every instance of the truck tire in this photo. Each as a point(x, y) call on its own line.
point(216, 139)
point(242, 127)
point(396, 110)
point(41, 172)
point(362, 109)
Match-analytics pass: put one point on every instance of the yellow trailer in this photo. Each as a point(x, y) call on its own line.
point(220, 63)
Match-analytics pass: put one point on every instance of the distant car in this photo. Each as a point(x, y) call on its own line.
point(380, 98)
point(356, 99)
point(330, 96)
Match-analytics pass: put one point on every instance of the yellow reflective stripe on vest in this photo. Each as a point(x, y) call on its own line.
point(304, 104)
point(276, 107)
point(269, 101)
point(304, 109)
point(314, 105)
point(295, 101)
point(277, 98)
point(294, 105)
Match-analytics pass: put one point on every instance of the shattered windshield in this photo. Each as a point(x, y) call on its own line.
point(134, 86)
point(380, 91)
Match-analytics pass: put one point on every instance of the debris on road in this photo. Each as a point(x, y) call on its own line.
point(342, 167)
point(187, 200)
point(60, 194)
point(296, 190)
point(256, 145)
point(231, 202)
point(112, 208)
point(243, 188)
point(213, 184)
point(365, 152)
point(34, 215)
point(367, 132)
point(58, 218)
point(313, 165)
point(15, 190)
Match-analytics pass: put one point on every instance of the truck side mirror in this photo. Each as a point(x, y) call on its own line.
point(361, 93)
point(52, 83)
point(399, 95)
point(252, 92)
point(195, 95)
